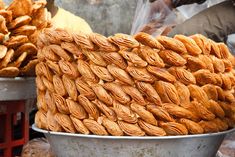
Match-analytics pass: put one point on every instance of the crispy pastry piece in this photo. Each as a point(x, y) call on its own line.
point(3, 51)
point(60, 103)
point(102, 94)
point(20, 8)
point(161, 74)
point(59, 85)
point(227, 65)
point(95, 127)
point(215, 50)
point(174, 128)
point(39, 83)
point(195, 63)
point(102, 42)
point(183, 92)
point(70, 87)
point(85, 70)
point(90, 107)
point(42, 69)
point(17, 63)
point(7, 15)
point(15, 41)
point(71, 48)
point(53, 125)
point(224, 51)
point(172, 58)
point(9, 72)
point(117, 92)
point(50, 102)
point(209, 126)
point(182, 75)
point(46, 53)
point(95, 57)
point(30, 48)
point(216, 109)
point(219, 81)
point(3, 27)
point(227, 83)
point(131, 129)
point(112, 127)
point(207, 61)
point(84, 89)
point(203, 43)
point(143, 113)
point(134, 94)
point(229, 96)
point(41, 18)
point(120, 74)
point(54, 67)
point(202, 111)
point(49, 36)
point(83, 41)
point(60, 52)
point(140, 74)
point(65, 121)
point(115, 58)
point(151, 56)
point(220, 92)
point(211, 91)
point(7, 58)
point(79, 126)
point(69, 68)
point(148, 90)
point(198, 93)
point(218, 64)
point(193, 127)
point(167, 92)
point(124, 40)
point(41, 101)
point(190, 44)
point(160, 113)
point(148, 40)
point(172, 44)
point(29, 68)
point(2, 37)
point(102, 73)
point(124, 113)
point(41, 119)
point(62, 35)
point(222, 124)
point(204, 77)
point(24, 30)
point(133, 58)
point(76, 110)
point(150, 129)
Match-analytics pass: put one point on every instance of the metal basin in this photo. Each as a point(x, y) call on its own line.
point(79, 145)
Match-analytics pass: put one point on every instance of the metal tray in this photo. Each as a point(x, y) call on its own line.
point(79, 145)
point(17, 88)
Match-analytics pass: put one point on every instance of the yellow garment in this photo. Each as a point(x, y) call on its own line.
point(66, 20)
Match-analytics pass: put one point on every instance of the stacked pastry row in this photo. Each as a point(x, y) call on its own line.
point(133, 85)
point(20, 24)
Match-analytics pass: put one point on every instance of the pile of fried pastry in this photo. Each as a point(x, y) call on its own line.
point(20, 24)
point(133, 85)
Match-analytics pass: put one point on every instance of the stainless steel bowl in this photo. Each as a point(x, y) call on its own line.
point(79, 145)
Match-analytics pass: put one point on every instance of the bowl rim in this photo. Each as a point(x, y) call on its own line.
point(35, 128)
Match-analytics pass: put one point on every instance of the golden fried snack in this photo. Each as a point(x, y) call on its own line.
point(143, 113)
point(229, 96)
point(160, 113)
point(161, 74)
point(148, 40)
point(41, 18)
point(131, 129)
point(172, 44)
point(60, 52)
point(198, 93)
point(54, 67)
point(95, 57)
point(53, 125)
point(90, 107)
point(24, 30)
point(42, 69)
point(133, 58)
point(83, 41)
point(95, 127)
point(3, 51)
point(65, 122)
point(108, 112)
point(41, 101)
point(85, 70)
point(209, 126)
point(79, 126)
point(172, 58)
point(17, 63)
point(227, 83)
point(215, 50)
point(203, 43)
point(7, 15)
point(30, 48)
point(2, 38)
point(41, 119)
point(102, 94)
point(207, 61)
point(60, 103)
point(71, 48)
point(174, 128)
point(190, 44)
point(46, 53)
point(124, 40)
point(204, 77)
point(216, 109)
point(84, 89)
point(102, 42)
point(202, 111)
point(19, 21)
point(148, 90)
point(221, 124)
point(20, 8)
point(151, 56)
point(115, 58)
point(29, 68)
point(150, 129)
point(50, 102)
point(182, 75)
point(3, 27)
point(195, 63)
point(193, 127)
point(224, 51)
point(102, 73)
point(15, 41)
point(112, 127)
point(183, 92)
point(227, 65)
point(9, 72)
point(218, 64)
point(59, 85)
point(211, 91)
point(39, 83)
point(124, 113)
point(76, 109)
point(7, 58)
point(140, 74)
point(117, 92)
point(135, 94)
point(70, 87)
point(69, 68)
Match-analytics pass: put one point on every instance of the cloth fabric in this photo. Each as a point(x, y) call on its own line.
point(215, 22)
point(66, 20)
